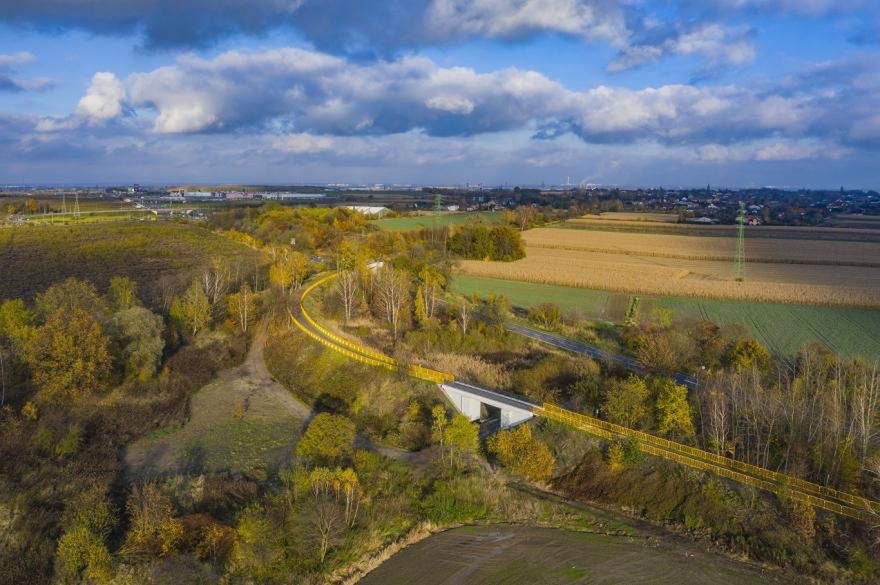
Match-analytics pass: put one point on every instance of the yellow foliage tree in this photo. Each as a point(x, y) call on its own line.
point(69, 355)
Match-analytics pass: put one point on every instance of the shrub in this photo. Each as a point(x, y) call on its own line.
point(329, 439)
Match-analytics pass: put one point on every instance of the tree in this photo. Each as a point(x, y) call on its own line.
point(747, 353)
point(392, 296)
point(461, 439)
point(141, 333)
point(547, 315)
point(16, 324)
point(464, 315)
point(626, 402)
point(674, 417)
point(432, 282)
point(347, 284)
point(215, 280)
point(439, 422)
point(329, 439)
point(242, 306)
point(69, 355)
point(122, 293)
point(193, 310)
point(421, 311)
point(149, 513)
point(68, 295)
point(518, 449)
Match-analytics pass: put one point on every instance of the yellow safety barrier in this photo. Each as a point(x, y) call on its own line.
point(783, 485)
point(849, 505)
point(357, 351)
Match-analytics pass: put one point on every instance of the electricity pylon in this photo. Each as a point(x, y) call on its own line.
point(741, 243)
point(76, 206)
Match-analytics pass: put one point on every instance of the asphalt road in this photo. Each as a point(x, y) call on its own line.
point(626, 362)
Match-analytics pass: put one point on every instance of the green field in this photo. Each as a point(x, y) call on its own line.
point(405, 224)
point(783, 328)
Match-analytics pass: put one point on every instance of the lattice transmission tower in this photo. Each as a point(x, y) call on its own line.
point(740, 261)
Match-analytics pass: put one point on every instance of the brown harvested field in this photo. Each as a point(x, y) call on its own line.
point(791, 271)
point(853, 234)
point(640, 217)
point(846, 253)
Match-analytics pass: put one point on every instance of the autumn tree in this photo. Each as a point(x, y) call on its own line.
point(432, 282)
point(192, 310)
point(626, 402)
point(242, 307)
point(289, 271)
point(328, 439)
point(521, 451)
point(460, 439)
point(674, 416)
point(142, 343)
point(68, 295)
point(69, 355)
point(122, 293)
point(748, 353)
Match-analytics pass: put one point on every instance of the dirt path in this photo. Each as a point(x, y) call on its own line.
point(214, 438)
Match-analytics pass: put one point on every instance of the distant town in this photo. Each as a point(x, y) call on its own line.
point(763, 206)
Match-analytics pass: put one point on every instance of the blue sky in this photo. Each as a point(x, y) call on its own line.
point(625, 92)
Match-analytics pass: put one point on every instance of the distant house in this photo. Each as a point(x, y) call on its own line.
point(452, 208)
point(369, 210)
point(704, 220)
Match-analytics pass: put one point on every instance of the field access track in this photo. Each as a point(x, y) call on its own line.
point(782, 485)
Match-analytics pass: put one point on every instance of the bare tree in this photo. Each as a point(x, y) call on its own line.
point(215, 280)
point(866, 410)
point(347, 285)
point(464, 315)
point(325, 520)
point(392, 295)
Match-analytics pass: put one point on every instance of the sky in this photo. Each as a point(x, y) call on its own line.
point(679, 93)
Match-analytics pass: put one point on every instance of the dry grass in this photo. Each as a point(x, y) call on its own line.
point(472, 369)
point(792, 271)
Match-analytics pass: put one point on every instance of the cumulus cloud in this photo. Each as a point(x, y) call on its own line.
point(807, 7)
point(103, 101)
point(312, 93)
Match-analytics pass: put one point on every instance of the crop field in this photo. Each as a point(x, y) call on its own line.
point(641, 217)
point(405, 224)
point(152, 253)
point(516, 555)
point(783, 328)
point(786, 271)
point(594, 223)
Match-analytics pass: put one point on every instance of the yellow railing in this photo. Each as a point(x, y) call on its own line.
point(784, 485)
point(355, 350)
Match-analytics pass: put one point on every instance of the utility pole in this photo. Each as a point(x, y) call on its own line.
point(741, 243)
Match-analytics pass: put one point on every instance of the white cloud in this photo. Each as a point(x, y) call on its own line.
point(590, 19)
point(451, 103)
point(718, 44)
point(103, 100)
point(16, 59)
point(303, 144)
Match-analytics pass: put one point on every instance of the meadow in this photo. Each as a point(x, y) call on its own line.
point(155, 254)
point(783, 271)
point(783, 328)
point(417, 222)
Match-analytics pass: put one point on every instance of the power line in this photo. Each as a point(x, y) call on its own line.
point(741, 243)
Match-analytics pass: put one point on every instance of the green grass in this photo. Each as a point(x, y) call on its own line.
point(783, 328)
point(405, 224)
